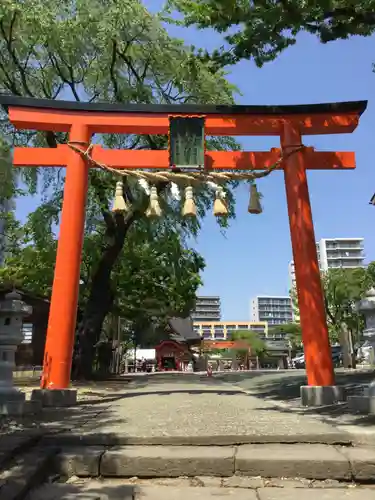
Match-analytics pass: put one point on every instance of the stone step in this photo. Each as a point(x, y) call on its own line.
point(13, 444)
point(110, 490)
point(95, 438)
point(270, 460)
point(28, 470)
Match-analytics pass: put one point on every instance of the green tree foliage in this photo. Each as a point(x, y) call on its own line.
point(153, 279)
point(343, 288)
point(291, 331)
point(370, 273)
point(114, 51)
point(261, 30)
point(252, 339)
point(156, 277)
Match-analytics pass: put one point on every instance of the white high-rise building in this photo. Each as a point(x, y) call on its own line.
point(207, 308)
point(335, 253)
point(276, 310)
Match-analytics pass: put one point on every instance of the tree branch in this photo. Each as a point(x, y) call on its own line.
point(71, 83)
point(14, 56)
point(11, 83)
point(112, 71)
point(107, 216)
point(329, 314)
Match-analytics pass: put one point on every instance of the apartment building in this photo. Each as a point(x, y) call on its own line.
point(335, 253)
point(207, 308)
point(222, 330)
point(275, 310)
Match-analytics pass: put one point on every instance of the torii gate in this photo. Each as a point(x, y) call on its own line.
point(82, 120)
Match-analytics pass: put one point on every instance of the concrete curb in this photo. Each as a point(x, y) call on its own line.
point(117, 439)
point(313, 461)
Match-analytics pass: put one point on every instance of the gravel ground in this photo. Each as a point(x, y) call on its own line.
point(85, 395)
point(198, 409)
point(177, 405)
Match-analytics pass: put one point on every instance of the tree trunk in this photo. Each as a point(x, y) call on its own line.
point(345, 343)
point(98, 306)
point(100, 300)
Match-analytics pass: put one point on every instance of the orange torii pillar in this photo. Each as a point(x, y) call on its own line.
point(290, 123)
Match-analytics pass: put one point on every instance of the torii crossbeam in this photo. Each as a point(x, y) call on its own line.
point(82, 120)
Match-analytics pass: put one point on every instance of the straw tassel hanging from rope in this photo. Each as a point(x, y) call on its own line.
point(220, 204)
point(154, 209)
point(119, 204)
point(254, 204)
point(189, 209)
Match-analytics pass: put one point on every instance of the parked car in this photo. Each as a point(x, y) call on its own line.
point(337, 358)
point(299, 361)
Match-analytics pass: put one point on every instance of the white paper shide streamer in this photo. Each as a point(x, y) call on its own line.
point(145, 186)
point(175, 191)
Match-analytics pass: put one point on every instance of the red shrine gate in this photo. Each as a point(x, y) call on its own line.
point(82, 120)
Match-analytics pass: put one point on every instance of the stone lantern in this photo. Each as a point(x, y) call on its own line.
point(12, 310)
point(366, 306)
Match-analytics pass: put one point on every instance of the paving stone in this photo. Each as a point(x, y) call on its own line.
point(330, 483)
point(168, 481)
point(81, 462)
point(287, 483)
point(161, 493)
point(163, 461)
point(208, 481)
point(243, 482)
point(362, 461)
point(291, 461)
point(311, 494)
point(89, 491)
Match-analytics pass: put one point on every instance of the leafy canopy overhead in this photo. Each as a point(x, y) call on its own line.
point(113, 51)
point(260, 30)
point(155, 278)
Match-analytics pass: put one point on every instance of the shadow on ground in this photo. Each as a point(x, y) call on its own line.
point(89, 491)
point(96, 413)
point(94, 409)
point(285, 388)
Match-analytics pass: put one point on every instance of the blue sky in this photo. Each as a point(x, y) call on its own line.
point(253, 256)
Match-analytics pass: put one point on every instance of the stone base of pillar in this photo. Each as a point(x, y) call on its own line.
point(18, 408)
point(312, 395)
point(55, 397)
point(362, 404)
